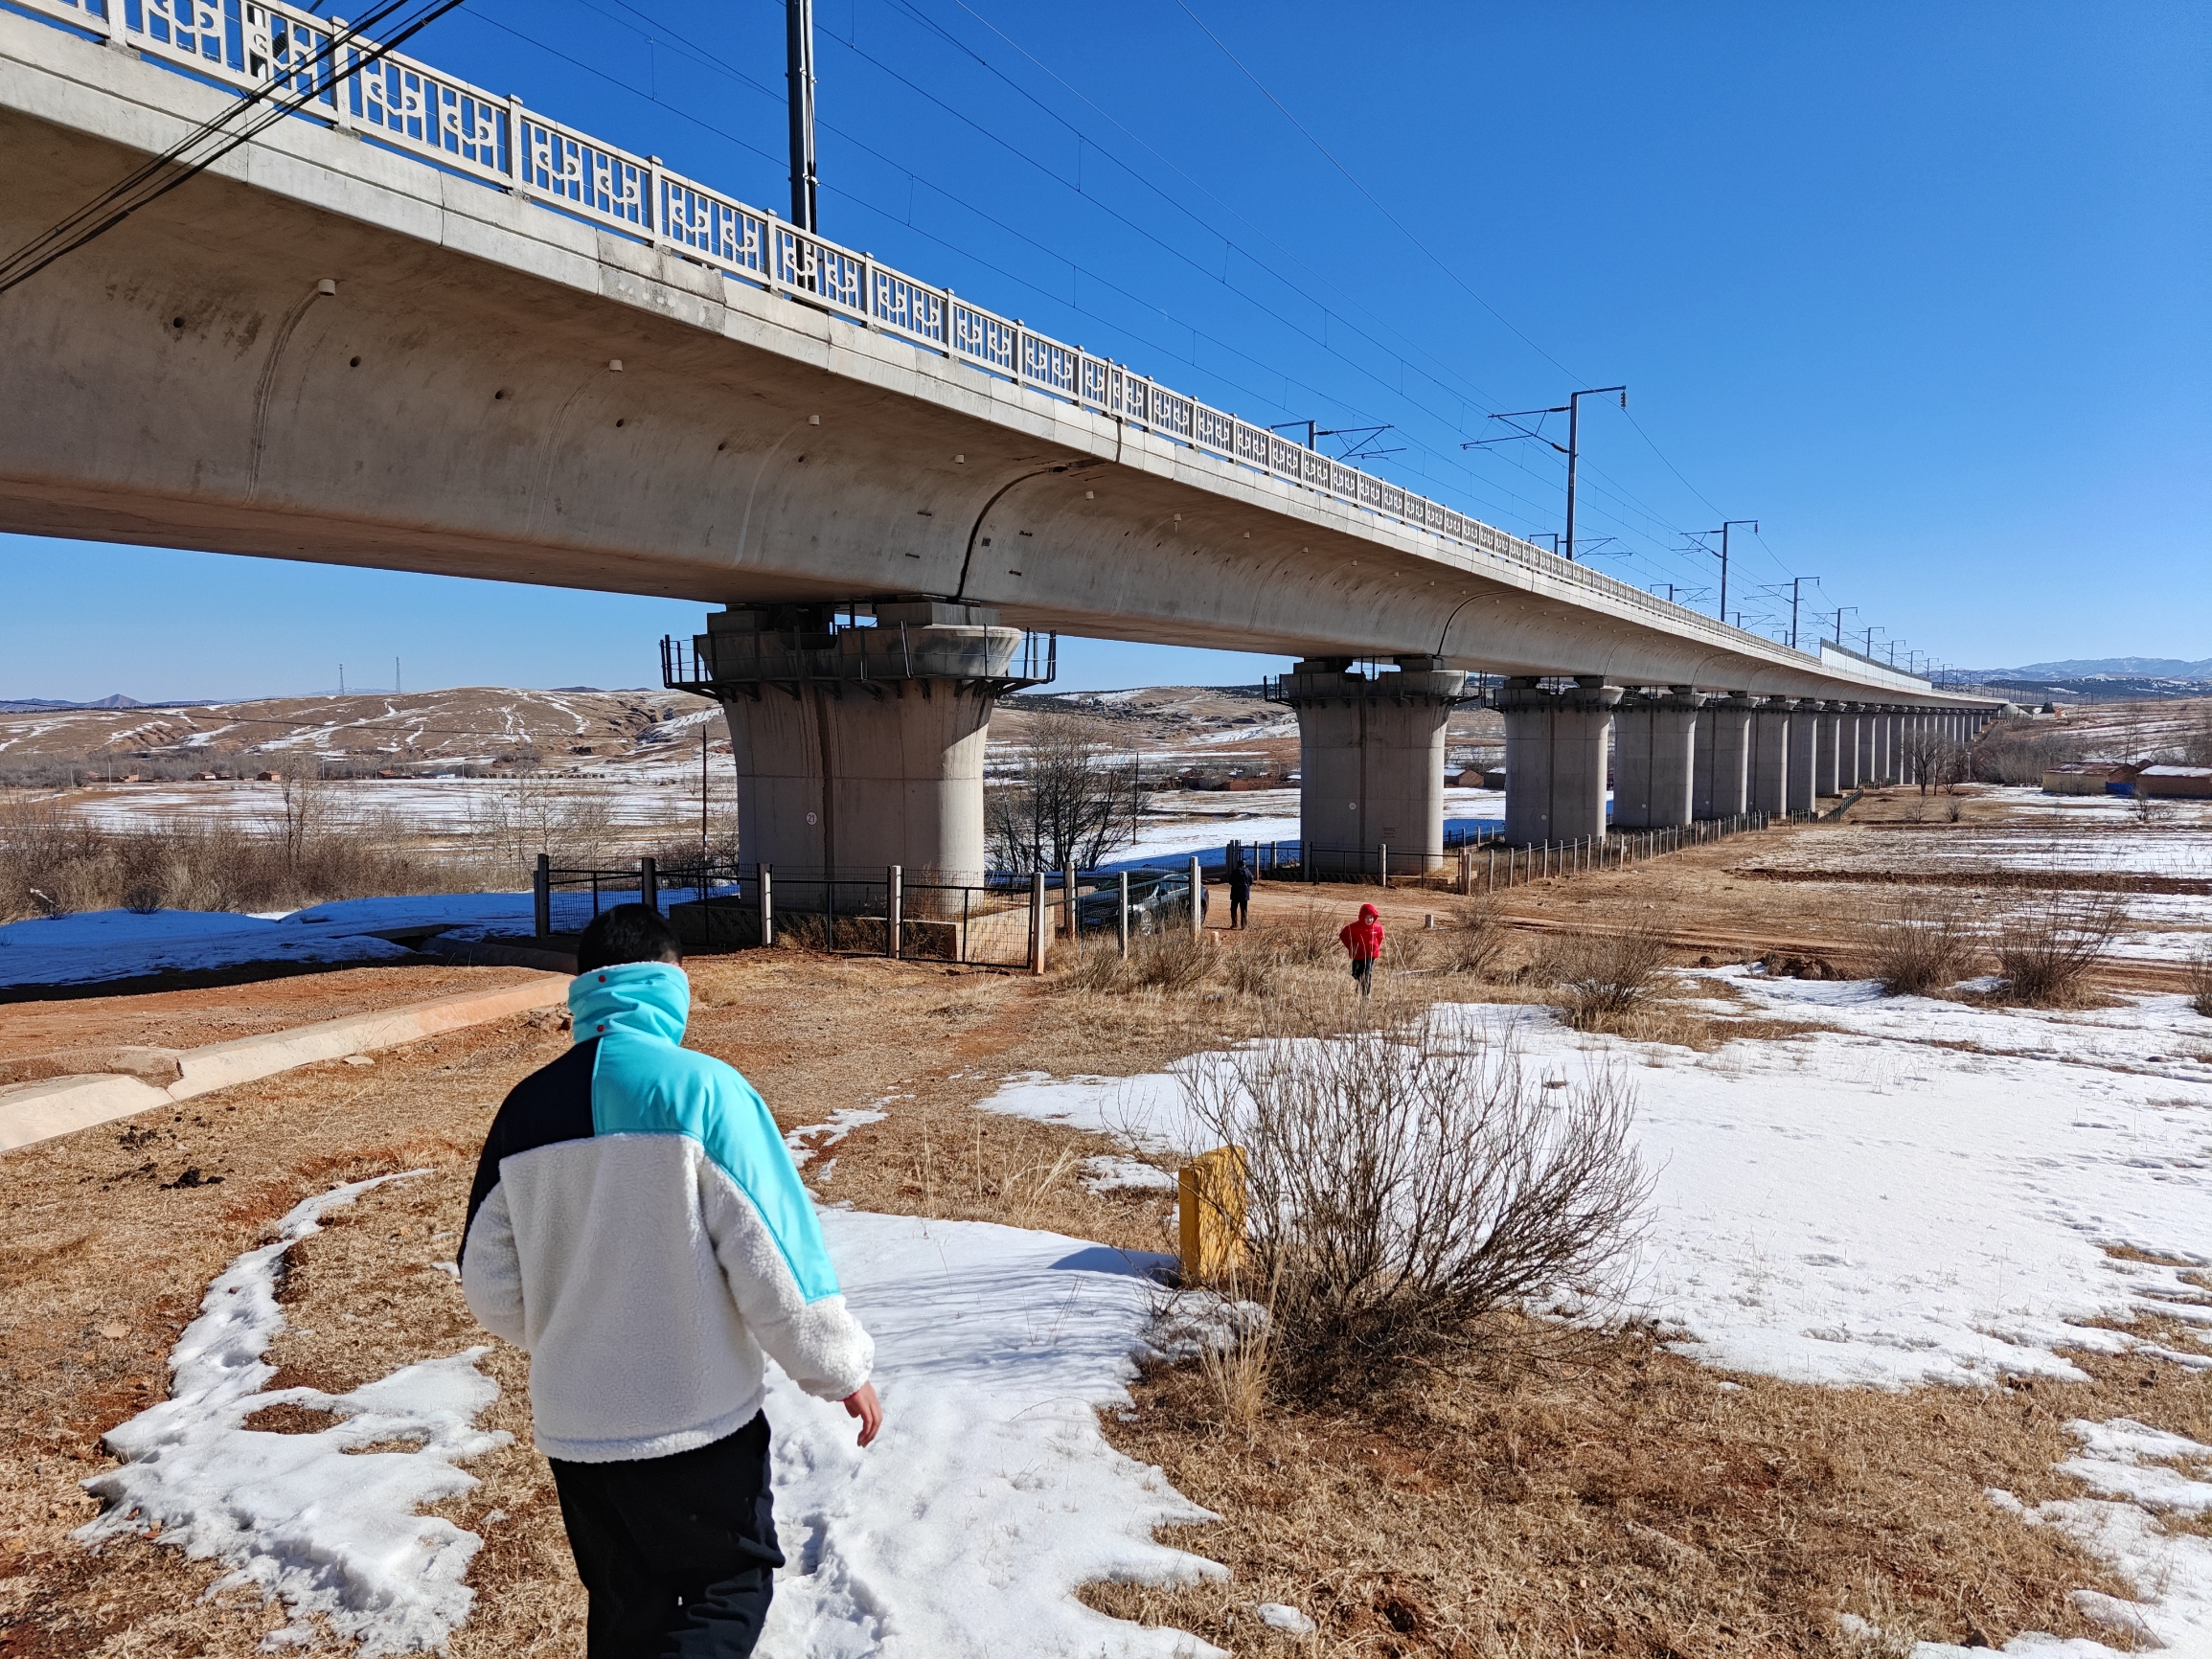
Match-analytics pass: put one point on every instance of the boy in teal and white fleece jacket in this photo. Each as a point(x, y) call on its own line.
point(638, 1226)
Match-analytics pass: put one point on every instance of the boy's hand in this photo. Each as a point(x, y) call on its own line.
point(863, 1404)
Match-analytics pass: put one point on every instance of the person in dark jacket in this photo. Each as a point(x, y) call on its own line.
point(1240, 891)
point(1362, 942)
point(638, 1227)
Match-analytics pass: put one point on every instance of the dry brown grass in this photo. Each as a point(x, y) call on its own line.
point(206, 864)
point(2200, 984)
point(1633, 1504)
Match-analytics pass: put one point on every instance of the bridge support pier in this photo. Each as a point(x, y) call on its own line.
point(1771, 723)
point(1720, 759)
point(858, 747)
point(1827, 741)
point(1885, 747)
point(1811, 742)
point(1555, 760)
point(1654, 751)
point(1371, 762)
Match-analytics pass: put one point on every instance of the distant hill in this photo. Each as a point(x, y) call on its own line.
point(32, 705)
point(2102, 668)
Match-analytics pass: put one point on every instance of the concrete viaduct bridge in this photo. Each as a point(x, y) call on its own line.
point(422, 327)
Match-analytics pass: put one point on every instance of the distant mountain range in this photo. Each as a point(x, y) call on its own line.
point(2102, 668)
point(32, 705)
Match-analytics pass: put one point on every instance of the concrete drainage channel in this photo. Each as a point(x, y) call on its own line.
point(119, 1082)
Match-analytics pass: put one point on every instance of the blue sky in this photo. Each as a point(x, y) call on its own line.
point(1924, 290)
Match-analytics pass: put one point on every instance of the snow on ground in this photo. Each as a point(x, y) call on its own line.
point(1921, 1193)
point(990, 1498)
point(1183, 822)
point(1863, 1205)
point(991, 1495)
point(101, 945)
point(335, 1532)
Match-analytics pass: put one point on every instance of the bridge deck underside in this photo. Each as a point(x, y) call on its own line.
point(451, 409)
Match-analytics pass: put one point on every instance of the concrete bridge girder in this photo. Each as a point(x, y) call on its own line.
point(453, 407)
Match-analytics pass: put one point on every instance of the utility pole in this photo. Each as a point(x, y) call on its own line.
point(1797, 585)
point(1839, 610)
point(1573, 452)
point(1721, 556)
point(1312, 430)
point(1572, 448)
point(799, 48)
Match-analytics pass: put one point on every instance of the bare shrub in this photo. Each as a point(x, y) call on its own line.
point(1406, 949)
point(2200, 984)
point(1477, 939)
point(2046, 948)
point(1170, 960)
point(1307, 941)
point(1403, 1183)
point(1923, 946)
point(1603, 977)
point(1251, 969)
point(1096, 968)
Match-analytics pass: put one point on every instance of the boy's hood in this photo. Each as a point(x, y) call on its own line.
point(1368, 913)
point(648, 999)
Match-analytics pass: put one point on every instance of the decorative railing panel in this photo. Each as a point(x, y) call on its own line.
point(394, 99)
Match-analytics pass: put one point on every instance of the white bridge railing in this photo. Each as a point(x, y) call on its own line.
point(499, 142)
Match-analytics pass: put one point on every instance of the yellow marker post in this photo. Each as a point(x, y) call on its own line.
point(1211, 1195)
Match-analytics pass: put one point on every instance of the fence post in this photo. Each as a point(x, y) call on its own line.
point(649, 885)
point(894, 909)
point(1198, 899)
point(1306, 861)
point(1067, 890)
point(1493, 887)
point(541, 895)
point(1382, 861)
point(1037, 922)
point(768, 908)
point(1122, 915)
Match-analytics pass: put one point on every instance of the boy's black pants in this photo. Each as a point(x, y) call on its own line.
point(679, 1553)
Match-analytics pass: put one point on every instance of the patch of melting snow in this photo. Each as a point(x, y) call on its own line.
point(1119, 1172)
point(992, 1496)
point(809, 1140)
point(337, 1533)
point(2171, 1569)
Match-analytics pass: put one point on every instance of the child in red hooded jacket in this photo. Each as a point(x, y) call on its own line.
point(1364, 940)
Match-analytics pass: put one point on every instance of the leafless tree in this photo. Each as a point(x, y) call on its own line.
point(1076, 801)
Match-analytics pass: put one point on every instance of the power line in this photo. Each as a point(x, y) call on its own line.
point(192, 156)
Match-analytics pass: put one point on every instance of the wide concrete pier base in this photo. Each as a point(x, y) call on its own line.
point(1772, 725)
point(1811, 742)
point(859, 747)
point(1555, 760)
point(1720, 761)
point(1371, 762)
point(1654, 748)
